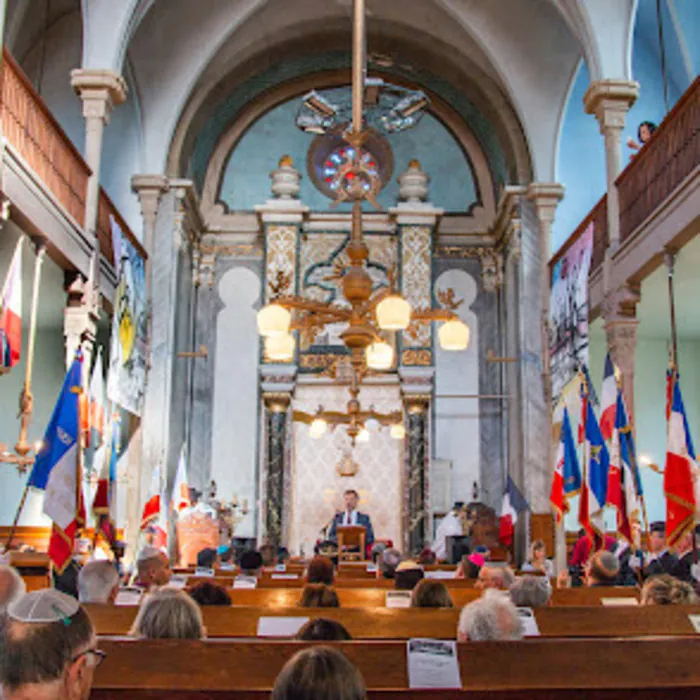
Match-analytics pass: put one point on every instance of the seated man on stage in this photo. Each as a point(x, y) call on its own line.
point(351, 516)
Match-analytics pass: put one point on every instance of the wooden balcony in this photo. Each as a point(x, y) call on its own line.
point(106, 213)
point(29, 127)
point(662, 165)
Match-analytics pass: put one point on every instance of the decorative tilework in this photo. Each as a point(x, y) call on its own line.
point(416, 281)
point(281, 255)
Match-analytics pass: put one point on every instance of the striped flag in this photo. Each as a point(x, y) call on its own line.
point(181, 490)
point(679, 486)
point(566, 481)
point(96, 402)
point(11, 311)
point(513, 503)
point(104, 503)
point(608, 400)
point(58, 469)
point(154, 519)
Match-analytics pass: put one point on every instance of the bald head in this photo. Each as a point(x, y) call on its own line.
point(11, 586)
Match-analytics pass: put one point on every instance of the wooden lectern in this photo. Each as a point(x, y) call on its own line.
point(351, 536)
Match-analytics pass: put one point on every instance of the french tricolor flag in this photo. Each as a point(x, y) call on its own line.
point(11, 312)
point(57, 469)
point(154, 518)
point(608, 400)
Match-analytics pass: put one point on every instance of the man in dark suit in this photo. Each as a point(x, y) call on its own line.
point(686, 556)
point(659, 560)
point(351, 516)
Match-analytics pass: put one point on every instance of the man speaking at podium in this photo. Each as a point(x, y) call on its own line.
point(351, 516)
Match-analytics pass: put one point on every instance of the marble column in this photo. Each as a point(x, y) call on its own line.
point(278, 383)
point(620, 321)
point(609, 101)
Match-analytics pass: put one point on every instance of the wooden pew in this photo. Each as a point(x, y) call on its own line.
point(384, 623)
point(34, 568)
point(609, 669)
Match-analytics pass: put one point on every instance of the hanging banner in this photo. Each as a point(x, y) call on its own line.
point(127, 358)
point(568, 313)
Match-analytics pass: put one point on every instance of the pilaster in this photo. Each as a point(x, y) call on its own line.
point(609, 101)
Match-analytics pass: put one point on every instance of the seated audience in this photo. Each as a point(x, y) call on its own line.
point(387, 562)
point(470, 566)
point(663, 589)
point(319, 673)
point(531, 591)
point(686, 556)
point(321, 629)
point(659, 560)
point(12, 586)
point(250, 565)
point(538, 561)
point(408, 574)
point(168, 614)
point(320, 570)
point(268, 552)
point(49, 650)
point(493, 617)
point(492, 576)
point(318, 595)
point(152, 568)
point(209, 593)
point(602, 569)
point(431, 593)
point(207, 558)
point(98, 582)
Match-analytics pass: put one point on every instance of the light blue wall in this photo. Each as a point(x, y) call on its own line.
point(581, 165)
point(246, 180)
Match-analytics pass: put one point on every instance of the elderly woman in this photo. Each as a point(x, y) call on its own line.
point(531, 591)
point(664, 589)
point(168, 614)
point(537, 561)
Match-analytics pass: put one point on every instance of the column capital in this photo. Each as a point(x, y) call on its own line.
point(281, 211)
point(278, 379)
point(149, 189)
point(620, 305)
point(100, 90)
point(610, 100)
point(416, 214)
point(546, 197)
point(416, 383)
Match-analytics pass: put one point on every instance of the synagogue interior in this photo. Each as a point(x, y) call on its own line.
point(362, 305)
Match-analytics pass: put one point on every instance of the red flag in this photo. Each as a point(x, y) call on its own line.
point(11, 311)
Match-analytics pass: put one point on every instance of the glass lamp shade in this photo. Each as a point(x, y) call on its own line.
point(280, 348)
point(393, 313)
point(317, 428)
point(363, 435)
point(454, 335)
point(380, 356)
point(273, 320)
point(398, 432)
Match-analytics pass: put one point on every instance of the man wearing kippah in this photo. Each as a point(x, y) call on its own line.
point(152, 568)
point(49, 649)
point(659, 560)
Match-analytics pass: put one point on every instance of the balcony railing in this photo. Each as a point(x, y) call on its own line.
point(662, 164)
point(106, 211)
point(30, 128)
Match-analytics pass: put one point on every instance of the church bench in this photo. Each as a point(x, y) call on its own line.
point(384, 623)
point(610, 669)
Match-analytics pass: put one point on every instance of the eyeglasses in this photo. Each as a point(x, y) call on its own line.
point(98, 656)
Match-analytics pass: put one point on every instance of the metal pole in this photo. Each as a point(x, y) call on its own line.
point(358, 65)
point(670, 260)
point(662, 51)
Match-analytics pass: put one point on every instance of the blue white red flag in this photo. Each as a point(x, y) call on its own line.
point(11, 311)
point(608, 400)
point(566, 481)
point(513, 503)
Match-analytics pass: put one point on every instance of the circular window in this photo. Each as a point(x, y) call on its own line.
point(329, 152)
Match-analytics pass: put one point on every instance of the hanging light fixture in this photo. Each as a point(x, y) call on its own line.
point(318, 428)
point(454, 335)
point(398, 432)
point(273, 320)
point(379, 356)
point(363, 435)
point(393, 313)
point(280, 348)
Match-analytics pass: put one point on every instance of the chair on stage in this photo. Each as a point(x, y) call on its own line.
point(351, 542)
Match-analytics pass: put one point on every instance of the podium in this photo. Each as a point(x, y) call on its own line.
point(351, 536)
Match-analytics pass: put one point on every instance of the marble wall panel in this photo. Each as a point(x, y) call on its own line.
point(316, 487)
point(280, 255)
point(416, 277)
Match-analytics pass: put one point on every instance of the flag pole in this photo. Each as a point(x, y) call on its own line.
point(670, 260)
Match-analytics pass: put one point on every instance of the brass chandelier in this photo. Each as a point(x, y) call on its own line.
point(368, 316)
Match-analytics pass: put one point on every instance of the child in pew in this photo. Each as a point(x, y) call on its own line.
point(208, 593)
point(321, 629)
point(319, 673)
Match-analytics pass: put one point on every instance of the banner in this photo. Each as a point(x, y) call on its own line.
point(568, 313)
point(127, 358)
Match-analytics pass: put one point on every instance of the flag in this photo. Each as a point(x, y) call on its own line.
point(595, 483)
point(608, 400)
point(513, 503)
point(566, 480)
point(154, 519)
point(679, 487)
point(96, 402)
point(623, 474)
point(11, 311)
point(104, 503)
point(57, 469)
point(584, 411)
point(181, 490)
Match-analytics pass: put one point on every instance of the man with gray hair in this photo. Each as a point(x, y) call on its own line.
point(493, 617)
point(11, 586)
point(531, 591)
point(98, 582)
point(153, 568)
point(493, 576)
point(387, 562)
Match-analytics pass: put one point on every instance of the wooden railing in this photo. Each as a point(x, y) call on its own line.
point(106, 210)
point(31, 129)
point(662, 164)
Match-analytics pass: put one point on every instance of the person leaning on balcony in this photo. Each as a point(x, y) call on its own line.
point(644, 132)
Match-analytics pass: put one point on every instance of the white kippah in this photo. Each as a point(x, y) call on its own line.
point(47, 605)
point(149, 552)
